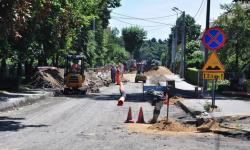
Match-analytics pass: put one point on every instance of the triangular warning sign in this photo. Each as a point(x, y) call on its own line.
point(213, 64)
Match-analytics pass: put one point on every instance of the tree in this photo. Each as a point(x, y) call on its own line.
point(133, 38)
point(235, 54)
point(153, 40)
point(160, 41)
point(192, 32)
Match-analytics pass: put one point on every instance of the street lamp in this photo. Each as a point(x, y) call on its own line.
point(176, 39)
point(182, 45)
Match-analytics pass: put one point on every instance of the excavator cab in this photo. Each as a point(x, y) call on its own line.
point(74, 75)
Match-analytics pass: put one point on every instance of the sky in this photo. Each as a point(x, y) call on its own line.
point(158, 16)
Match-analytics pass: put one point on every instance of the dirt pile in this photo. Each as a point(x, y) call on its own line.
point(91, 75)
point(159, 70)
point(46, 79)
point(55, 78)
point(171, 126)
point(209, 125)
point(122, 79)
point(132, 72)
point(175, 99)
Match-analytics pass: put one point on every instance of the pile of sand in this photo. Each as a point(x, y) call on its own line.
point(159, 70)
point(209, 125)
point(171, 126)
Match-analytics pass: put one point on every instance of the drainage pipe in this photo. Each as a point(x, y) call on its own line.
point(123, 95)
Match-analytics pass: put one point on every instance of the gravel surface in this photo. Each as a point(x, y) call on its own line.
point(94, 121)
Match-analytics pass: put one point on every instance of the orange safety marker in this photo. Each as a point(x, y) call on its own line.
point(166, 100)
point(140, 117)
point(129, 118)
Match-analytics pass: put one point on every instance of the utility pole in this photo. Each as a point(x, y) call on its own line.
point(182, 45)
point(185, 38)
point(206, 50)
point(172, 54)
point(176, 44)
point(93, 38)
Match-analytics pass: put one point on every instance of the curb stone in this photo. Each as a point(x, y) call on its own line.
point(24, 102)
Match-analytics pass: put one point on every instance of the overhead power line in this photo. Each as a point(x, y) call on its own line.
point(141, 19)
point(137, 24)
point(199, 9)
point(157, 28)
point(147, 18)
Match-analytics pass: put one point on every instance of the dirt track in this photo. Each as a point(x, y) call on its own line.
point(94, 121)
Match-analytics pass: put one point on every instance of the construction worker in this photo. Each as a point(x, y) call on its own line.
point(75, 66)
point(117, 75)
point(114, 74)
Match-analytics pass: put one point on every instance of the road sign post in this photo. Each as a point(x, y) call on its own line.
point(213, 39)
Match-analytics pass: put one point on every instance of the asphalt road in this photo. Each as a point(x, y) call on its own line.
point(94, 121)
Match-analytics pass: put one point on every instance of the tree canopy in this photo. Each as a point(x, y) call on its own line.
point(133, 38)
point(235, 54)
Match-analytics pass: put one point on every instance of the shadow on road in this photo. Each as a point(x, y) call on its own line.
point(7, 124)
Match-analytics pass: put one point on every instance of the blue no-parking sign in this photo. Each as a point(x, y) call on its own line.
point(213, 38)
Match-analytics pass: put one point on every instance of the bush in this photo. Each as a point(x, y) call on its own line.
point(192, 75)
point(195, 63)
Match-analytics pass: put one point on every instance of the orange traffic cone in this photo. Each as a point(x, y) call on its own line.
point(140, 117)
point(201, 96)
point(129, 118)
point(166, 100)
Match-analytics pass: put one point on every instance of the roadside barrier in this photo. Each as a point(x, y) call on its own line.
point(129, 118)
point(140, 117)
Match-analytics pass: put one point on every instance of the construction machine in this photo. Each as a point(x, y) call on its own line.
point(140, 76)
point(74, 75)
point(131, 65)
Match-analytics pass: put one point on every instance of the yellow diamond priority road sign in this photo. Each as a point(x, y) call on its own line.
point(213, 64)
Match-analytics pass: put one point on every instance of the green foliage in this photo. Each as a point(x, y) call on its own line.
point(235, 54)
point(133, 38)
point(192, 75)
point(192, 33)
point(207, 105)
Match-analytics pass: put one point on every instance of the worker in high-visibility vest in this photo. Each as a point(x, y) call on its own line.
point(75, 67)
point(118, 75)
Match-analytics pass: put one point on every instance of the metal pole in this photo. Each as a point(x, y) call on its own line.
point(176, 42)
point(94, 29)
point(206, 50)
point(184, 72)
point(182, 45)
point(166, 58)
point(212, 93)
point(172, 54)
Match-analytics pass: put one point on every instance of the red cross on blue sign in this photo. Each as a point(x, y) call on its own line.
point(213, 38)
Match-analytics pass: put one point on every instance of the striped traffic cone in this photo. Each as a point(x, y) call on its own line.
point(166, 100)
point(129, 118)
point(140, 117)
point(201, 95)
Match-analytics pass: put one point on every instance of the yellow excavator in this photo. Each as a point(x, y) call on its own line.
point(74, 75)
